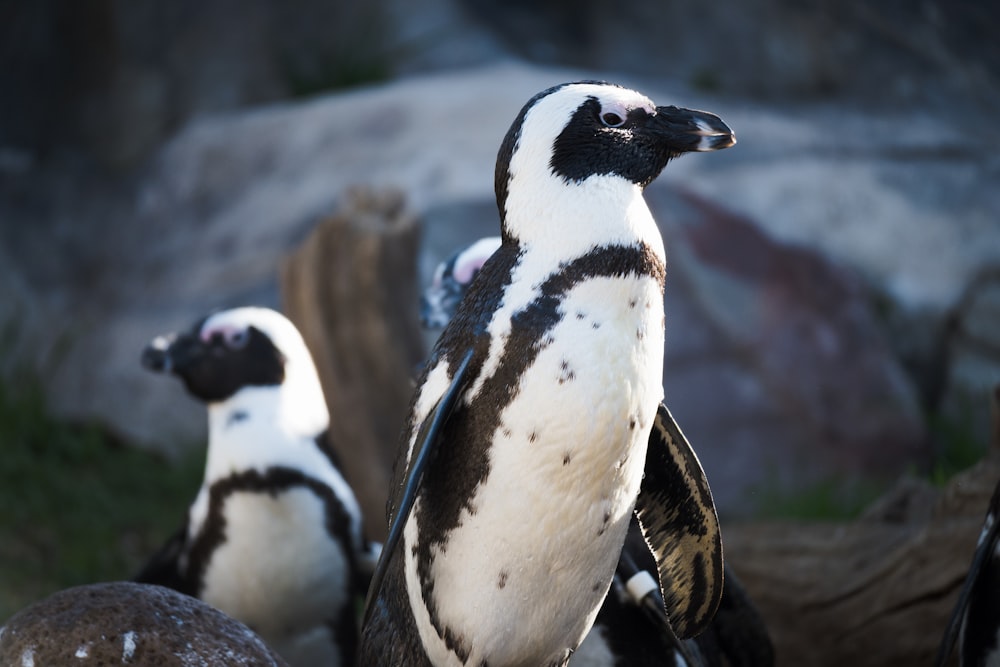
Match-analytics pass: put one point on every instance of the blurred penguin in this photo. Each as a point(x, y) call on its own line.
point(274, 536)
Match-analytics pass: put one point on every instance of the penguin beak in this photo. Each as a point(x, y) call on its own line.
point(686, 130)
point(171, 353)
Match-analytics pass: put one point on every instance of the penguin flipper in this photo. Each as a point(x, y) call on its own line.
point(636, 574)
point(424, 448)
point(163, 568)
point(678, 519)
point(984, 548)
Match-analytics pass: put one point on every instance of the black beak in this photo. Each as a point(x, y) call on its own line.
point(686, 130)
point(170, 353)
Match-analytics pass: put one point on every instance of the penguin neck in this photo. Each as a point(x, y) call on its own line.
point(262, 426)
point(566, 220)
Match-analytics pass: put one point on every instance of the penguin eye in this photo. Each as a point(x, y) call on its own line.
point(237, 339)
point(612, 119)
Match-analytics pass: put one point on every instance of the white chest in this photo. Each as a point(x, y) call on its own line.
point(523, 577)
point(278, 571)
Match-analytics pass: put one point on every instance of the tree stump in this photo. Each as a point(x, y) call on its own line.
point(878, 591)
point(352, 290)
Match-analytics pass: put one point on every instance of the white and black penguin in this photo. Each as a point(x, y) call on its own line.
point(274, 536)
point(631, 627)
point(975, 622)
point(538, 427)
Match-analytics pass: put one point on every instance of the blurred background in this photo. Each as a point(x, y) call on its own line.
point(833, 291)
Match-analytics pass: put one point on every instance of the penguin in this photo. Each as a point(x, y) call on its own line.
point(975, 621)
point(630, 628)
point(274, 536)
point(451, 280)
point(537, 427)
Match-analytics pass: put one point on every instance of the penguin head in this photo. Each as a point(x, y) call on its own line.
point(232, 350)
point(451, 280)
point(576, 133)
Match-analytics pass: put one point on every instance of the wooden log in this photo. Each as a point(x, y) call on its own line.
point(351, 289)
point(877, 591)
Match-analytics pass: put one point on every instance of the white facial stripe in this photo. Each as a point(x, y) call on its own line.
point(562, 104)
point(225, 330)
point(276, 326)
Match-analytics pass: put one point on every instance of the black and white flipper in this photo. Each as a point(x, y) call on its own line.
point(423, 453)
point(684, 536)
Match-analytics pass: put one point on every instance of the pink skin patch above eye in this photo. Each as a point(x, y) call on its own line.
point(473, 258)
point(616, 108)
point(464, 271)
point(227, 331)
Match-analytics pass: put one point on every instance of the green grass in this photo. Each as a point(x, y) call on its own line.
point(78, 505)
point(958, 446)
point(828, 500)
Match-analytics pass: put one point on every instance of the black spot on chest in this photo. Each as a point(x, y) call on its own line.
point(463, 460)
point(236, 417)
point(566, 373)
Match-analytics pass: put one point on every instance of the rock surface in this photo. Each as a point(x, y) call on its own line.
point(876, 591)
point(903, 203)
point(117, 78)
point(122, 623)
point(775, 364)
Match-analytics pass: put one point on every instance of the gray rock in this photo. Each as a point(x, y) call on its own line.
point(775, 365)
point(901, 198)
point(886, 53)
point(122, 623)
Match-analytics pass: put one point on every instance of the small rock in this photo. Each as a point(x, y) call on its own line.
point(123, 623)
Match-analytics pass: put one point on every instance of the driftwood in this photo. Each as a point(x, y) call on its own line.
point(351, 289)
point(878, 591)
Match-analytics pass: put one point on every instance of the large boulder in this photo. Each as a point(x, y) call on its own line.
point(123, 623)
point(776, 365)
point(96, 268)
